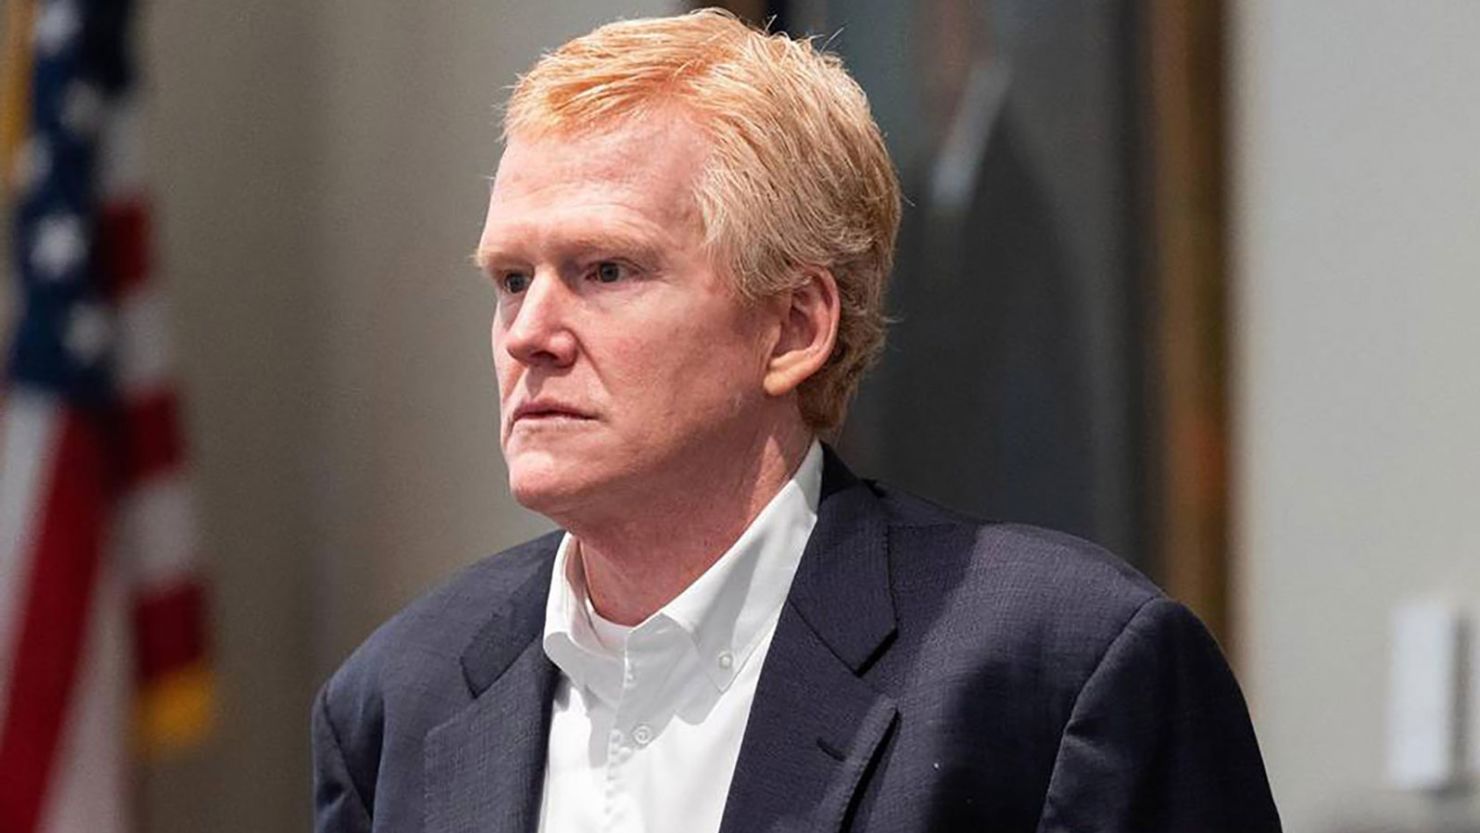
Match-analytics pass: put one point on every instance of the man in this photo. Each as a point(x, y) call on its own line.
point(688, 236)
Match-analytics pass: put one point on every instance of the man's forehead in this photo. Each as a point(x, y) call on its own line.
point(638, 180)
point(625, 191)
point(621, 154)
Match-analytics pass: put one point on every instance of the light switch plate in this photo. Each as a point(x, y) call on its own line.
point(1424, 696)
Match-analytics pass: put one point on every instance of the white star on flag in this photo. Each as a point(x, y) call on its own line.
point(59, 245)
point(56, 27)
point(88, 333)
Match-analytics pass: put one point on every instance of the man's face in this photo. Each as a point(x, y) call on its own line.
point(627, 366)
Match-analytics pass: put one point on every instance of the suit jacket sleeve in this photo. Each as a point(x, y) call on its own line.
point(339, 805)
point(1159, 739)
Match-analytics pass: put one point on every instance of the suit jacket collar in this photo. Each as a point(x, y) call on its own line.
point(483, 769)
point(842, 585)
point(814, 727)
point(816, 724)
point(516, 620)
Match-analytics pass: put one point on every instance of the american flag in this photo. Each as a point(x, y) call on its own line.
point(102, 635)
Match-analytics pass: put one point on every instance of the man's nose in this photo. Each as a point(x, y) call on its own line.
point(539, 331)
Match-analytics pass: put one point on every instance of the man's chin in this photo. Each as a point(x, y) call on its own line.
point(550, 492)
point(570, 485)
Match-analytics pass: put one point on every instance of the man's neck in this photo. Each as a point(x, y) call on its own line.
point(638, 562)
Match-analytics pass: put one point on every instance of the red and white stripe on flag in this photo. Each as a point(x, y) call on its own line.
point(66, 688)
point(102, 617)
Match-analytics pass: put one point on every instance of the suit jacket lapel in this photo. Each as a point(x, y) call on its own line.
point(815, 724)
point(484, 768)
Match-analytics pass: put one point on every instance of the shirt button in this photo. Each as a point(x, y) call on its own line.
point(726, 660)
point(643, 735)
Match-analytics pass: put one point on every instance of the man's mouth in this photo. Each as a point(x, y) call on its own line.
point(548, 412)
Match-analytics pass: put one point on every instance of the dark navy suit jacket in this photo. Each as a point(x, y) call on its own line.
point(928, 673)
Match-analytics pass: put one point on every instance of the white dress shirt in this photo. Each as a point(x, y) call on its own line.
point(648, 720)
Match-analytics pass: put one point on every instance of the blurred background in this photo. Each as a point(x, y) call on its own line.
point(1193, 280)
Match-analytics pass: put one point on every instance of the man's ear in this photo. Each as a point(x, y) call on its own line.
point(809, 328)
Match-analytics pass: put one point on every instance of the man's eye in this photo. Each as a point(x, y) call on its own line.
point(608, 271)
point(515, 282)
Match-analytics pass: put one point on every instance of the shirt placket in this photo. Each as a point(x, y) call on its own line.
point(645, 663)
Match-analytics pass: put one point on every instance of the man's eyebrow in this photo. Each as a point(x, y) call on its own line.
point(629, 245)
point(483, 256)
point(632, 246)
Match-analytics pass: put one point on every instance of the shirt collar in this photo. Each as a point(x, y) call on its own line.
point(571, 639)
point(724, 613)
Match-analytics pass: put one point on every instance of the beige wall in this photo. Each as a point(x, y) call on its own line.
point(232, 117)
point(1357, 211)
point(320, 179)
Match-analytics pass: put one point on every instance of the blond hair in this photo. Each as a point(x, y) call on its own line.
point(797, 174)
